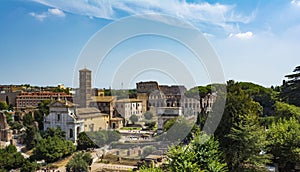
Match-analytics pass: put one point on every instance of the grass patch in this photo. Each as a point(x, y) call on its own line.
point(62, 162)
point(131, 128)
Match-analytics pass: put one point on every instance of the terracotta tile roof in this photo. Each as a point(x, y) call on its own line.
point(103, 98)
point(89, 113)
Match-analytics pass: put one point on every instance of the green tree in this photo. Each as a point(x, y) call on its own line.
point(150, 169)
point(17, 126)
point(52, 149)
point(133, 119)
point(51, 132)
point(202, 153)
point(182, 159)
point(266, 97)
point(284, 110)
point(29, 166)
point(284, 145)
point(10, 107)
point(239, 128)
point(3, 105)
point(28, 119)
point(112, 136)
point(84, 142)
point(43, 109)
point(39, 118)
point(100, 138)
point(44, 106)
point(9, 118)
point(249, 142)
point(31, 137)
point(176, 129)
point(7, 100)
point(199, 91)
point(169, 123)
point(62, 90)
point(80, 162)
point(10, 158)
point(150, 125)
point(291, 89)
point(148, 115)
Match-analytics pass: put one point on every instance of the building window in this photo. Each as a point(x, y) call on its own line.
point(91, 126)
point(71, 133)
point(58, 117)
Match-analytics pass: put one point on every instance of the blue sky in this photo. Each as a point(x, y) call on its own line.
point(41, 40)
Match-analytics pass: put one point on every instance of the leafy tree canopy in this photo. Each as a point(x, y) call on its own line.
point(202, 154)
point(28, 120)
point(291, 89)
point(31, 137)
point(52, 149)
point(244, 137)
point(284, 110)
point(84, 142)
point(284, 142)
point(148, 115)
point(176, 129)
point(103, 137)
point(10, 158)
point(51, 132)
point(79, 162)
point(3, 105)
point(133, 119)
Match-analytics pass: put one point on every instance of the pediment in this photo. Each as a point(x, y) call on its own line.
point(58, 104)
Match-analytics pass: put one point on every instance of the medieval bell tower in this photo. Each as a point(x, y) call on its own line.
point(85, 87)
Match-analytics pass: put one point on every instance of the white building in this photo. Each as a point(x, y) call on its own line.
point(63, 114)
point(129, 107)
point(73, 120)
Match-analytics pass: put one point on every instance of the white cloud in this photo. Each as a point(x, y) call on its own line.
point(39, 17)
point(295, 2)
point(219, 15)
point(56, 12)
point(208, 35)
point(50, 12)
point(245, 35)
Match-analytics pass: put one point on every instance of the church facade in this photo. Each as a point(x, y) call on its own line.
point(62, 114)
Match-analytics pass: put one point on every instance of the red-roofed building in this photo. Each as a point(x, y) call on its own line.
point(32, 99)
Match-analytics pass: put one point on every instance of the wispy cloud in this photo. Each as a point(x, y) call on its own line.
point(39, 17)
point(296, 2)
point(51, 12)
point(220, 15)
point(241, 35)
point(56, 12)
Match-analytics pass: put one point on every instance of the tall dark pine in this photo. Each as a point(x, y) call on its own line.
point(291, 88)
point(7, 100)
